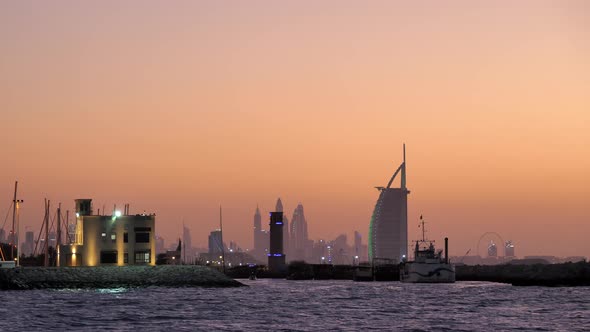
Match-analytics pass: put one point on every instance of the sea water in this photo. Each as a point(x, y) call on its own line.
point(282, 305)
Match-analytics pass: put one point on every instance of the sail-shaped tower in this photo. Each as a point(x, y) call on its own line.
point(388, 230)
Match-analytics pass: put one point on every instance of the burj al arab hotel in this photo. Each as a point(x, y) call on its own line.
point(388, 230)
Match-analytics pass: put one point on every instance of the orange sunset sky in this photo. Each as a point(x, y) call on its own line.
point(177, 107)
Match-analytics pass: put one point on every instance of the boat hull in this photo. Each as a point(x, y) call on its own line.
point(413, 272)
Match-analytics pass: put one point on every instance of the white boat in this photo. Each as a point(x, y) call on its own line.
point(428, 266)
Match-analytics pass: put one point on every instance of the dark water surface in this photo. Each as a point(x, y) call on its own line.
point(272, 305)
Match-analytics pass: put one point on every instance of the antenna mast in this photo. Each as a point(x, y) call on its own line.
point(403, 181)
point(423, 230)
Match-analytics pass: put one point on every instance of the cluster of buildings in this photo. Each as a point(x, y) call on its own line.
point(296, 242)
point(28, 247)
point(125, 239)
point(298, 247)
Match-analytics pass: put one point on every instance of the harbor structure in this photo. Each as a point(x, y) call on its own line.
point(117, 239)
point(388, 229)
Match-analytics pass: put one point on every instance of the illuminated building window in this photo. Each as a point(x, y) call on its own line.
point(125, 237)
point(108, 257)
point(104, 236)
point(113, 237)
point(142, 257)
point(142, 237)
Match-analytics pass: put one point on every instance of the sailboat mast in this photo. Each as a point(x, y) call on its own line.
point(46, 259)
point(14, 237)
point(58, 242)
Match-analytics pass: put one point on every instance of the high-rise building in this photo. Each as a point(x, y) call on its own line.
point(388, 230)
point(299, 240)
point(29, 246)
point(492, 249)
point(340, 251)
point(215, 244)
point(257, 233)
point(359, 249)
point(509, 249)
point(160, 245)
point(261, 238)
point(52, 239)
point(265, 236)
point(188, 253)
point(276, 255)
point(286, 242)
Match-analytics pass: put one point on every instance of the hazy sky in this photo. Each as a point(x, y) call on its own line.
point(177, 107)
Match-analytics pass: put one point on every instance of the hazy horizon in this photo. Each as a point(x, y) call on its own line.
point(177, 109)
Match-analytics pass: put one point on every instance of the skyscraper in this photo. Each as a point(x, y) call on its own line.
point(299, 240)
point(29, 246)
point(215, 244)
point(276, 255)
point(509, 249)
point(187, 245)
point(388, 230)
point(286, 241)
point(257, 229)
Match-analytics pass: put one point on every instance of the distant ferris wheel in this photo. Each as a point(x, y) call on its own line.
point(490, 242)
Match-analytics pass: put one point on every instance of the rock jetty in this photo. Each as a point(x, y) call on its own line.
point(566, 274)
point(113, 277)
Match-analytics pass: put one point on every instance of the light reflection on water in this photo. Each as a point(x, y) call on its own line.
point(112, 290)
point(273, 305)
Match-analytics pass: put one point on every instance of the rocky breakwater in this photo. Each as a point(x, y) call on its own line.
point(566, 274)
point(113, 277)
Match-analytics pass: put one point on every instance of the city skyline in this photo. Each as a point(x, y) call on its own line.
point(178, 109)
